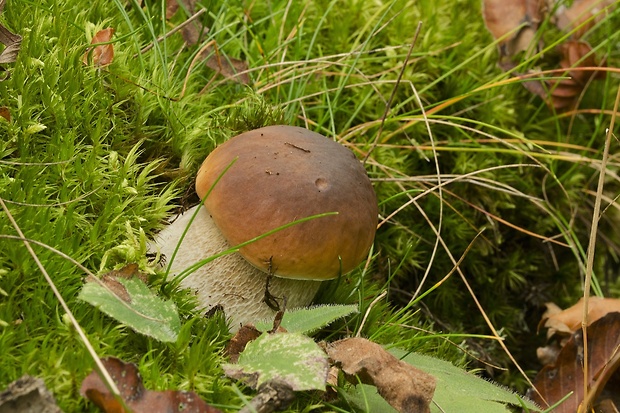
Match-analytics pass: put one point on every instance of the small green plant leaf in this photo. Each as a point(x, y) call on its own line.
point(132, 303)
point(456, 391)
point(287, 357)
point(308, 320)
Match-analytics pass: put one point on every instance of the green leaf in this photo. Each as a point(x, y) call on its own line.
point(456, 391)
point(135, 306)
point(308, 320)
point(290, 357)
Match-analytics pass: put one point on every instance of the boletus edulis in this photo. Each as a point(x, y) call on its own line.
point(259, 181)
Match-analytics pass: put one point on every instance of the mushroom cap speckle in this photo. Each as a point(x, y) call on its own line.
point(280, 174)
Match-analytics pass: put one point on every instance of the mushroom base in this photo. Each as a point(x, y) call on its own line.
point(229, 281)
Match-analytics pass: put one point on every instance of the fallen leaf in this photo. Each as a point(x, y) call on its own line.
point(173, 5)
point(103, 54)
point(5, 113)
point(135, 395)
point(128, 271)
point(403, 386)
point(11, 41)
point(229, 67)
point(457, 390)
point(580, 15)
point(237, 344)
point(519, 17)
point(564, 94)
point(556, 381)
point(27, 395)
point(568, 321)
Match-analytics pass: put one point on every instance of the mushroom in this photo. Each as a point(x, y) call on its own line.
point(259, 181)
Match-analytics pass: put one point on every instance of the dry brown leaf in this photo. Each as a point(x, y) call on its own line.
point(404, 387)
point(128, 271)
point(5, 113)
point(27, 394)
point(557, 380)
point(135, 395)
point(230, 68)
point(580, 14)
point(564, 94)
point(237, 344)
point(506, 16)
point(11, 41)
point(569, 320)
point(103, 54)
point(173, 5)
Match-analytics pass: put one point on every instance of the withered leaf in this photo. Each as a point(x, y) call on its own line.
point(5, 113)
point(128, 271)
point(237, 344)
point(581, 15)
point(11, 41)
point(173, 5)
point(556, 381)
point(503, 17)
point(230, 68)
point(568, 321)
point(103, 54)
point(564, 93)
point(135, 395)
point(403, 386)
point(27, 394)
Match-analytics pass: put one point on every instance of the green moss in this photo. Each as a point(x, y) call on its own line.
point(94, 159)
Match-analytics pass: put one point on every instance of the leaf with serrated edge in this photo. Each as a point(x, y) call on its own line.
point(456, 390)
point(290, 357)
point(308, 320)
point(145, 313)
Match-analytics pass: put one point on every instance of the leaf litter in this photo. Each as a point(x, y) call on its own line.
point(102, 54)
point(135, 396)
point(562, 377)
point(12, 44)
point(515, 24)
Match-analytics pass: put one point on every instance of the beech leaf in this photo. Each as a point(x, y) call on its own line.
point(229, 67)
point(135, 395)
point(11, 41)
point(456, 390)
point(558, 380)
point(130, 301)
point(518, 20)
point(103, 54)
point(403, 386)
point(27, 394)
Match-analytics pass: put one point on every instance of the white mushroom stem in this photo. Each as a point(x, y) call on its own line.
point(229, 281)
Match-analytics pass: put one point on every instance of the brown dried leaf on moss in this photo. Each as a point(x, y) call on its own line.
point(237, 344)
point(135, 395)
point(5, 113)
point(403, 386)
point(564, 94)
point(11, 41)
point(229, 67)
point(28, 394)
point(103, 54)
point(556, 381)
point(568, 321)
point(581, 15)
point(173, 5)
point(519, 17)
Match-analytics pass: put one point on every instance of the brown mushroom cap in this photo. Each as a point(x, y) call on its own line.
point(281, 174)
